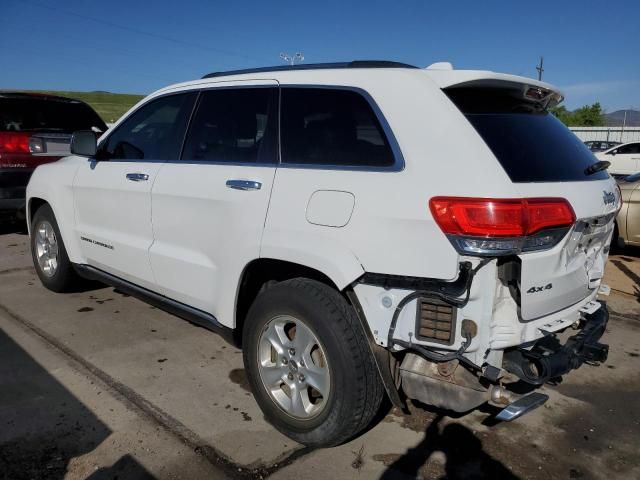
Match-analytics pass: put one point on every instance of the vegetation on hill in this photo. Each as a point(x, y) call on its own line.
point(586, 116)
point(110, 106)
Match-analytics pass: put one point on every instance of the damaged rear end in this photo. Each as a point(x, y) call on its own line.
point(524, 305)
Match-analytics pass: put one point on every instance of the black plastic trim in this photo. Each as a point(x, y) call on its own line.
point(452, 289)
point(181, 310)
point(380, 355)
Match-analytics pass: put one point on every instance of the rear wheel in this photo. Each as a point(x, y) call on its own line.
point(49, 254)
point(310, 368)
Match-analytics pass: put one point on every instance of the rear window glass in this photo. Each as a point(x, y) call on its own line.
point(531, 144)
point(331, 127)
point(47, 115)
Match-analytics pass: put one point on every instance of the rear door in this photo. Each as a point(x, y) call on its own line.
point(112, 192)
point(209, 207)
point(544, 159)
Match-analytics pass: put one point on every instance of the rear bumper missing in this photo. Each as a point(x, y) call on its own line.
point(548, 358)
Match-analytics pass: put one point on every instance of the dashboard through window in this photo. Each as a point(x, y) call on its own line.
point(154, 132)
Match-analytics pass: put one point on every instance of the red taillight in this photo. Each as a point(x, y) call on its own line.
point(488, 226)
point(545, 213)
point(488, 217)
point(14, 142)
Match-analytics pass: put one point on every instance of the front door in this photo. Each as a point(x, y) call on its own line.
point(209, 208)
point(625, 160)
point(112, 192)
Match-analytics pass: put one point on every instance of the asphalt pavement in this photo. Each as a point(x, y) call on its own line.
point(97, 384)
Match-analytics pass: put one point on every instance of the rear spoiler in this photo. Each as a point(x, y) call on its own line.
point(532, 90)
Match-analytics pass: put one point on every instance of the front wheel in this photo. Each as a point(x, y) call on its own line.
point(309, 364)
point(49, 254)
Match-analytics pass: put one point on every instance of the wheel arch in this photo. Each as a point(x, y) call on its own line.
point(260, 272)
point(32, 207)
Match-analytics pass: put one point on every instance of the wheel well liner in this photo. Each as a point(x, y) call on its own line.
point(259, 273)
point(34, 204)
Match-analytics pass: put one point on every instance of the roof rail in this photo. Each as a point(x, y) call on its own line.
point(315, 66)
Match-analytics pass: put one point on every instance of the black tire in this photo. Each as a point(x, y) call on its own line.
point(356, 389)
point(64, 279)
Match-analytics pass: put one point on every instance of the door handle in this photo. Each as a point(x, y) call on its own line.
point(244, 184)
point(137, 177)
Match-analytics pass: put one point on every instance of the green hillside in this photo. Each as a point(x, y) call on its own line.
point(110, 106)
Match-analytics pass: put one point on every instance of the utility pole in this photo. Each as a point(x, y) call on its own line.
point(540, 68)
point(292, 59)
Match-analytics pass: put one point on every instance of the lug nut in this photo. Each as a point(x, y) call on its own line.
point(290, 376)
point(301, 378)
point(302, 363)
point(284, 361)
point(292, 351)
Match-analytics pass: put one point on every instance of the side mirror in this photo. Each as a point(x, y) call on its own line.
point(84, 143)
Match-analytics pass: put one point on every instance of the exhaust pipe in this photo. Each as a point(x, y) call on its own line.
point(517, 405)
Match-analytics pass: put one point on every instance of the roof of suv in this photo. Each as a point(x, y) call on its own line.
point(36, 95)
point(442, 74)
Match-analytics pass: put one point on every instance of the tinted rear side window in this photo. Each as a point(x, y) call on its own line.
point(331, 127)
point(35, 114)
point(630, 148)
point(530, 143)
point(233, 126)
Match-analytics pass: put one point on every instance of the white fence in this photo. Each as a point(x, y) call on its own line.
point(611, 134)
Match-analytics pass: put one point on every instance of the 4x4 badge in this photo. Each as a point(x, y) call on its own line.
point(534, 289)
point(608, 197)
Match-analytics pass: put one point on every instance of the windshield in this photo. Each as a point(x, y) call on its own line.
point(47, 115)
point(531, 144)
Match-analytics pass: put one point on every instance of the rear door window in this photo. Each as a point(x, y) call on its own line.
point(530, 143)
point(630, 148)
point(331, 127)
point(234, 125)
point(153, 132)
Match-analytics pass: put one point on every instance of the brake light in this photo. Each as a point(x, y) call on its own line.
point(14, 142)
point(486, 226)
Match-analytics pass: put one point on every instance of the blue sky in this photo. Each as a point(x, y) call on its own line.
point(591, 49)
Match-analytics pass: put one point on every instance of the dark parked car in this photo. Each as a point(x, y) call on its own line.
point(35, 129)
point(599, 146)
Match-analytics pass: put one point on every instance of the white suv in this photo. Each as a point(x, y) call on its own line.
point(358, 228)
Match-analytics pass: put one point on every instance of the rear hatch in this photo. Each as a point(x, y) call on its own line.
point(544, 160)
point(36, 128)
